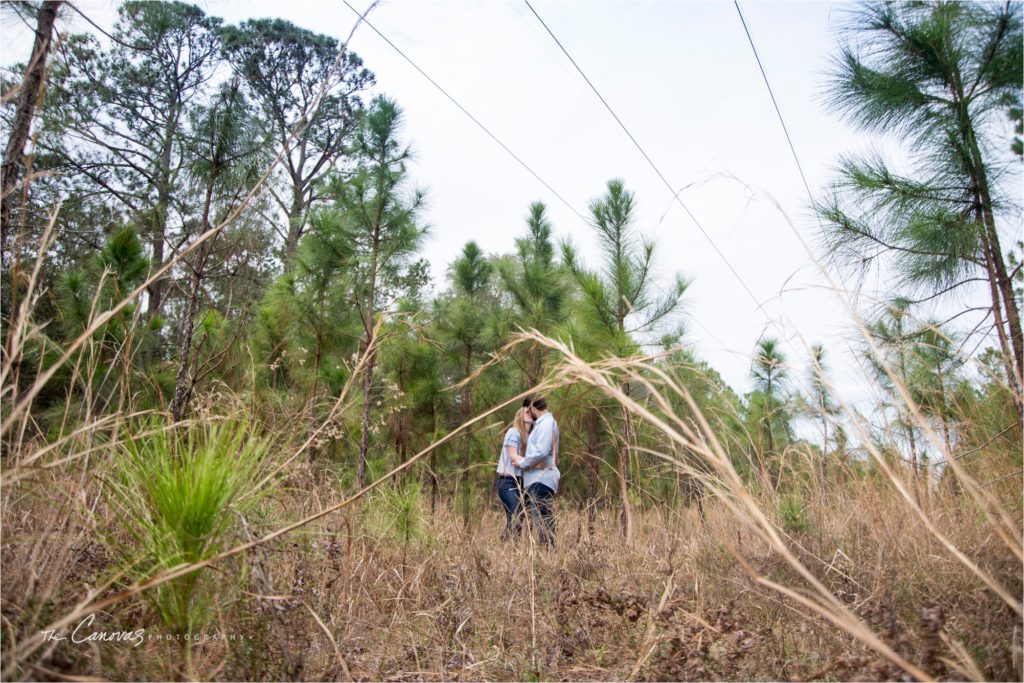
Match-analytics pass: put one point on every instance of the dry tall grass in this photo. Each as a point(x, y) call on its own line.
point(839, 577)
point(344, 597)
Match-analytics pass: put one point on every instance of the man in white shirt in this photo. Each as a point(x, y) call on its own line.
point(540, 470)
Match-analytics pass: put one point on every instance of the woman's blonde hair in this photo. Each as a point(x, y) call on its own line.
point(519, 422)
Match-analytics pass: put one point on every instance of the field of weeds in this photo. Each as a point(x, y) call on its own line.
point(385, 590)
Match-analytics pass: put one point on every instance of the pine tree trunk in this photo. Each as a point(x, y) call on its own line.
point(294, 226)
point(1002, 286)
point(909, 426)
point(1003, 282)
point(369, 327)
point(535, 364)
point(627, 512)
point(433, 464)
point(28, 96)
point(824, 421)
point(1005, 287)
point(158, 223)
point(364, 440)
point(824, 440)
point(770, 454)
point(467, 396)
point(593, 446)
point(1004, 342)
point(183, 384)
point(433, 482)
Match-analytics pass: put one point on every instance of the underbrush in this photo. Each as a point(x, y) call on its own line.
point(383, 589)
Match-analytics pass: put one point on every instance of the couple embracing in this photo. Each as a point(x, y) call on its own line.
point(528, 470)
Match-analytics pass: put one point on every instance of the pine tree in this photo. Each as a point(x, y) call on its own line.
point(287, 68)
point(538, 285)
point(620, 300)
point(893, 334)
point(822, 404)
point(225, 147)
point(121, 115)
point(769, 404)
point(936, 75)
point(934, 378)
point(461, 320)
point(28, 95)
point(382, 219)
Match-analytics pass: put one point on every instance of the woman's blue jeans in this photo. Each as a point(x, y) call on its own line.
point(510, 493)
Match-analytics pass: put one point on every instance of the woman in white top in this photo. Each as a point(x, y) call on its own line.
point(509, 484)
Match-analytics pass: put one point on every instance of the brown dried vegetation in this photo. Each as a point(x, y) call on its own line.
point(338, 600)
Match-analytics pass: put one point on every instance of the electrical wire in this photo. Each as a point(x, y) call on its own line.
point(675, 195)
point(467, 113)
point(778, 111)
point(785, 130)
point(646, 156)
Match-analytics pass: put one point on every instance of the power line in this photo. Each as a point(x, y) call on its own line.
point(648, 158)
point(785, 130)
point(775, 104)
point(675, 195)
point(466, 112)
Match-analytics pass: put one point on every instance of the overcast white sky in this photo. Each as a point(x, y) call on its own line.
point(682, 77)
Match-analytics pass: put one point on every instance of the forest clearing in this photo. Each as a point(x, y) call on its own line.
point(253, 429)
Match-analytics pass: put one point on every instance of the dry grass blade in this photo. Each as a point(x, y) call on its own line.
point(17, 331)
point(334, 643)
point(745, 507)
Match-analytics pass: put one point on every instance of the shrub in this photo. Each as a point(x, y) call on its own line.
point(179, 492)
point(793, 514)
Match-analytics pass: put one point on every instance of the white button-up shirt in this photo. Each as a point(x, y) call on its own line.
point(539, 450)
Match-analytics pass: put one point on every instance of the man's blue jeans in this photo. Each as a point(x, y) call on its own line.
point(540, 500)
point(510, 493)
